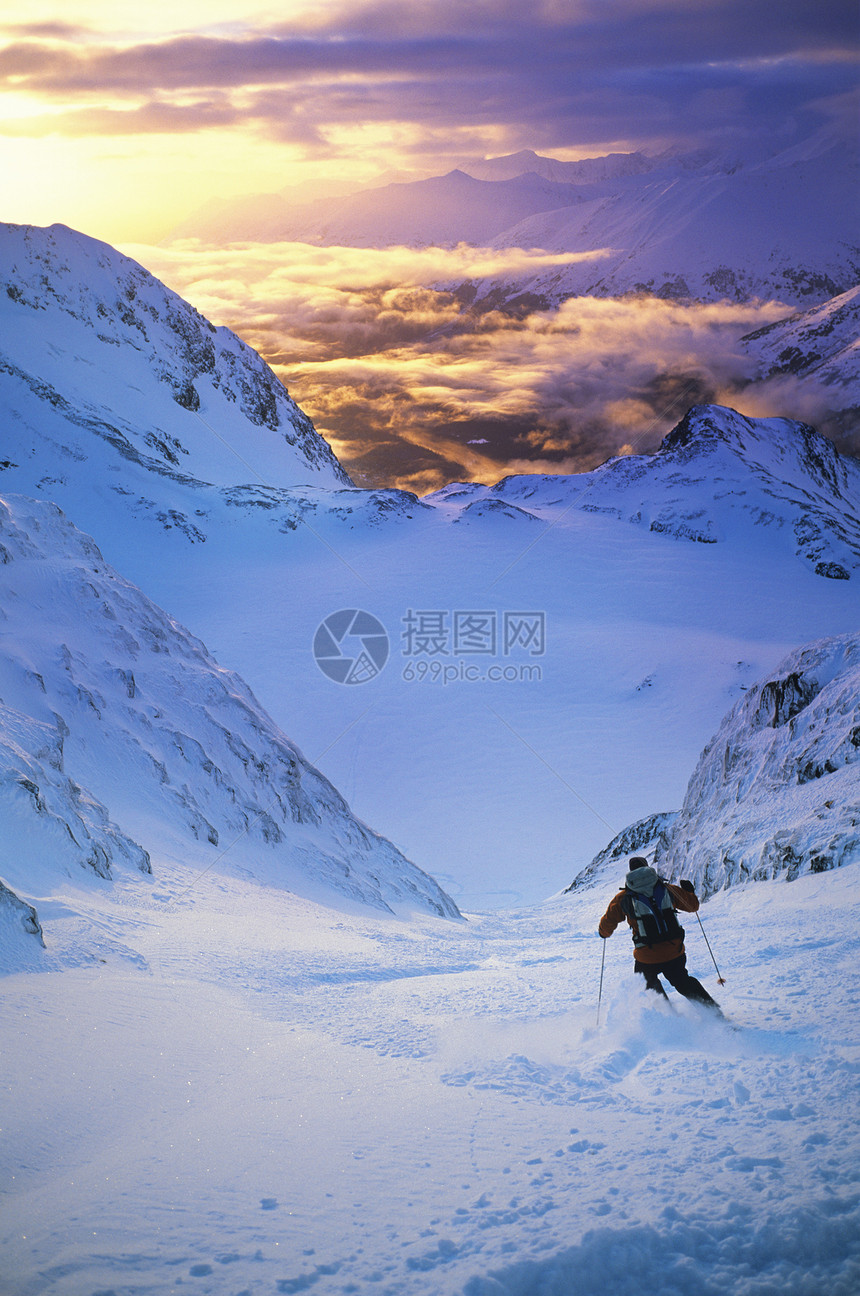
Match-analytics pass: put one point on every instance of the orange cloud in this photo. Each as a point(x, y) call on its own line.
point(413, 389)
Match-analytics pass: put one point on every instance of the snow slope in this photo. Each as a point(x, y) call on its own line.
point(668, 585)
point(122, 739)
point(237, 1073)
point(97, 354)
point(716, 472)
point(275, 1099)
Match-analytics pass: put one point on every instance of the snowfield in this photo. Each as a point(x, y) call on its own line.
point(258, 1095)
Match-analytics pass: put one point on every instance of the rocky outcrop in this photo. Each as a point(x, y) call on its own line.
point(777, 790)
point(644, 837)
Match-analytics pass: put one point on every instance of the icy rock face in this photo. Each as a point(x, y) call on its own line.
point(15, 913)
point(93, 340)
point(21, 941)
point(117, 728)
point(777, 790)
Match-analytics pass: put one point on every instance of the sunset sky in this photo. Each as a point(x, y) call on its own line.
point(121, 118)
point(125, 120)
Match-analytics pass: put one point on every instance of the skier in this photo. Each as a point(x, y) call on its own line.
point(648, 903)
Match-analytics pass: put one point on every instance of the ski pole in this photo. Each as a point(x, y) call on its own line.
point(720, 980)
point(600, 992)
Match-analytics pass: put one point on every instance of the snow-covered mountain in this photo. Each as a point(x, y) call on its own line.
point(122, 741)
point(821, 346)
point(441, 211)
point(783, 228)
point(586, 171)
point(472, 203)
point(701, 227)
point(223, 995)
point(124, 405)
point(716, 472)
point(663, 582)
point(644, 838)
point(96, 353)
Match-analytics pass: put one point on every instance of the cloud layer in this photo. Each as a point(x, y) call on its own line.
point(497, 72)
point(413, 389)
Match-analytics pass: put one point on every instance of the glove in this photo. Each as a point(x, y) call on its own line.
point(686, 886)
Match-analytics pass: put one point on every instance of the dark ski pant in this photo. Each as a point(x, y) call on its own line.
point(675, 972)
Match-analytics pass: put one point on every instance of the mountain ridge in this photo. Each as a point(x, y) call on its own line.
point(80, 305)
point(700, 482)
point(665, 225)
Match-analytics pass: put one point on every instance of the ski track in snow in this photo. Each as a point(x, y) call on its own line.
point(352, 1104)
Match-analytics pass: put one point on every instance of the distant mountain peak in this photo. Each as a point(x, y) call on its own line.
point(705, 424)
point(766, 443)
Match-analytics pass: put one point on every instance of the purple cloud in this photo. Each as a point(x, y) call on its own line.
point(630, 71)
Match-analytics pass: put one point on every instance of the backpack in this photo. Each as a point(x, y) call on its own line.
point(653, 917)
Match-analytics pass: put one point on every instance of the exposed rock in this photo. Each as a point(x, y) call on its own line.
point(14, 911)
